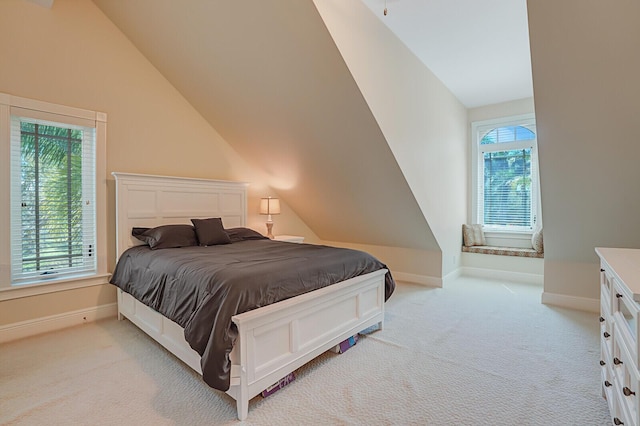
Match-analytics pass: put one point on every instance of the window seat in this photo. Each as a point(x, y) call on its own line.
point(503, 251)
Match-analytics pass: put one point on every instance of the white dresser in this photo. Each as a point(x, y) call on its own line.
point(619, 336)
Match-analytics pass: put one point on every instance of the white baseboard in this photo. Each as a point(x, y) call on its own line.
point(571, 302)
point(417, 279)
point(32, 327)
point(451, 276)
point(496, 274)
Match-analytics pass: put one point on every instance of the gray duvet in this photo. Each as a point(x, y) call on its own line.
point(201, 288)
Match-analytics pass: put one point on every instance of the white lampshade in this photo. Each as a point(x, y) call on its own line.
point(269, 206)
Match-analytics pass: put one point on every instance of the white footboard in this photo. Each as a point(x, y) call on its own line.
point(277, 339)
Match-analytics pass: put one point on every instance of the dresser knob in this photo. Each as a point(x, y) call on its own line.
point(616, 361)
point(606, 335)
point(627, 391)
point(617, 421)
point(607, 383)
point(601, 270)
point(601, 319)
point(618, 295)
point(602, 363)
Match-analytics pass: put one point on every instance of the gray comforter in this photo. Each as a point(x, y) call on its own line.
point(201, 288)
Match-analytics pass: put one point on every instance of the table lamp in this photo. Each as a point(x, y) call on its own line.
point(269, 206)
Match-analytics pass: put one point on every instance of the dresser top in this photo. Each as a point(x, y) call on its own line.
point(625, 263)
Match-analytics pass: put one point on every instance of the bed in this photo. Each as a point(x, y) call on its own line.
point(270, 340)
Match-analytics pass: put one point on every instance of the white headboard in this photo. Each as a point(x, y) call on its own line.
point(149, 201)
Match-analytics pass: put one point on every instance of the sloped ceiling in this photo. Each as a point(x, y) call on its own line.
point(269, 78)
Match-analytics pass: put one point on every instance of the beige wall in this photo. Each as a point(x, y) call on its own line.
point(585, 72)
point(503, 109)
point(420, 263)
point(28, 308)
point(73, 55)
point(423, 123)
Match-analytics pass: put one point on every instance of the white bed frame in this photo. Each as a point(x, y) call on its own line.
point(273, 341)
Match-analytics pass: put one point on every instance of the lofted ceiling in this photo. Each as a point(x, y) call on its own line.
point(478, 49)
point(270, 79)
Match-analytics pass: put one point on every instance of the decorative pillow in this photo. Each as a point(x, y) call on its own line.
point(473, 235)
point(167, 236)
point(536, 241)
point(210, 232)
point(241, 234)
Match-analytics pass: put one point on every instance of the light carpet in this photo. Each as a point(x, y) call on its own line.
point(476, 352)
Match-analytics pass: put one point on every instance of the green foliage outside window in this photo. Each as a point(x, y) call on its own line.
point(507, 179)
point(507, 188)
point(51, 190)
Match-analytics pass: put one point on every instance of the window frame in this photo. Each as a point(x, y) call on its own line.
point(497, 236)
point(65, 115)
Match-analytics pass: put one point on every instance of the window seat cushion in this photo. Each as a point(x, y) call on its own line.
point(503, 251)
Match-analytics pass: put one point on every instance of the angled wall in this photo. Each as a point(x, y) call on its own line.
point(585, 73)
point(423, 123)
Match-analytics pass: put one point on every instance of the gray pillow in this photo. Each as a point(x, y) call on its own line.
point(242, 234)
point(167, 236)
point(210, 232)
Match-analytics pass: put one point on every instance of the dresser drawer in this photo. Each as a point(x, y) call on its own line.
point(625, 315)
point(606, 353)
point(606, 287)
point(625, 379)
point(606, 339)
point(620, 411)
point(606, 373)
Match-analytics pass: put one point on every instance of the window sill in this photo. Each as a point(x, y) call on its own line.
point(34, 289)
point(503, 251)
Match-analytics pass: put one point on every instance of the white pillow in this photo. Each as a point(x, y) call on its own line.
point(536, 241)
point(473, 235)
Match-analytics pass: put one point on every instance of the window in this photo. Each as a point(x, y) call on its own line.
point(52, 203)
point(52, 198)
point(505, 160)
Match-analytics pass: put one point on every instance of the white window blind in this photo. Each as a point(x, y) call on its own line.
point(53, 196)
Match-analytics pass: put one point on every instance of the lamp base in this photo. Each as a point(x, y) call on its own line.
point(269, 228)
